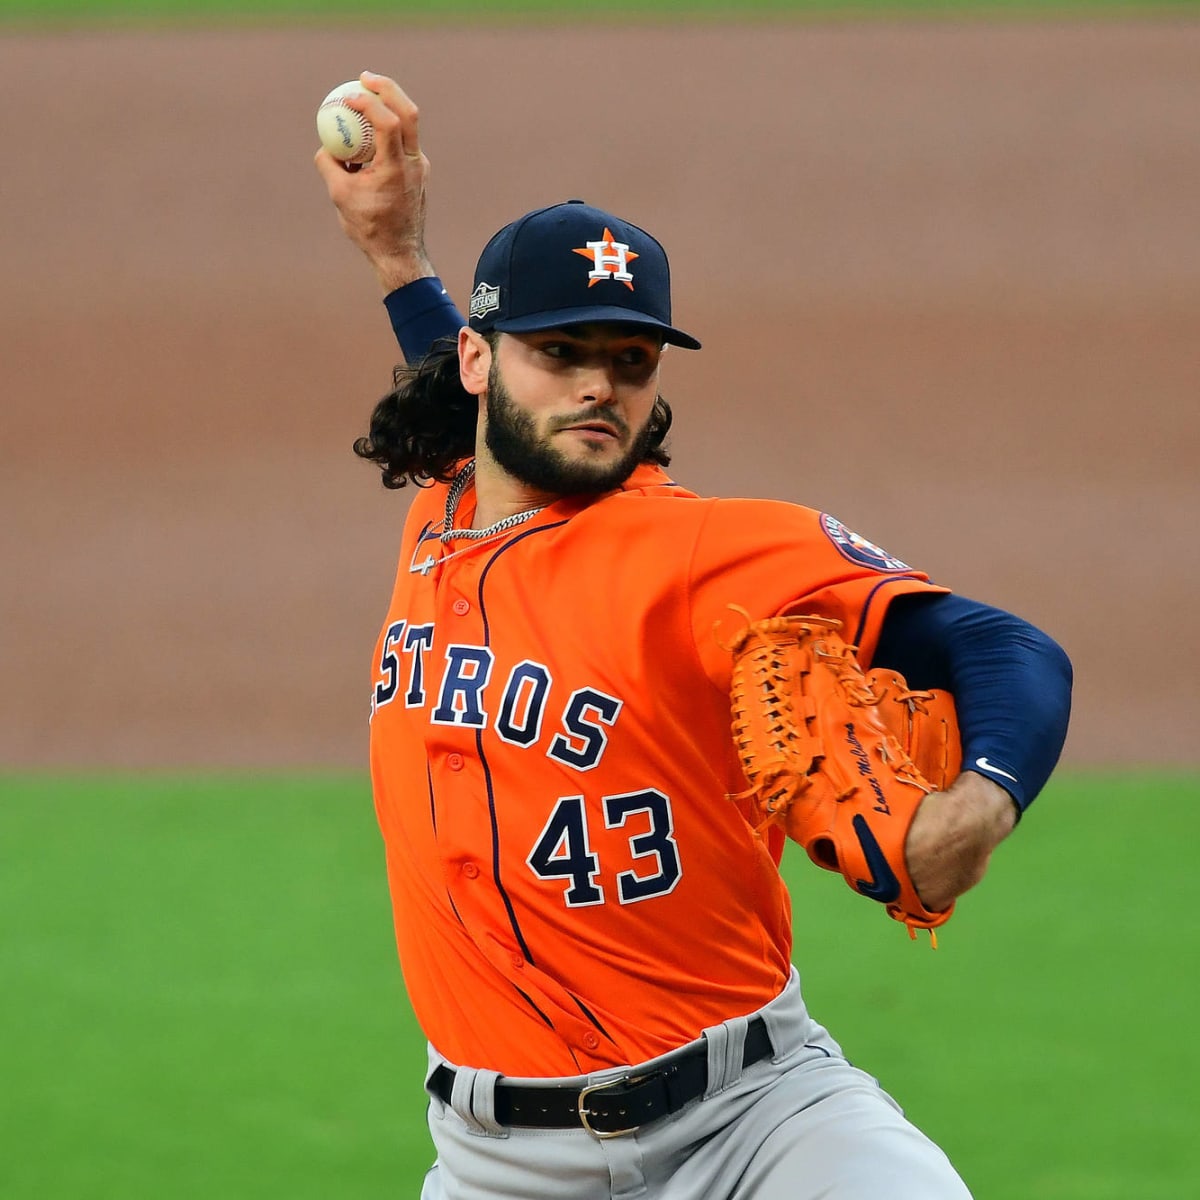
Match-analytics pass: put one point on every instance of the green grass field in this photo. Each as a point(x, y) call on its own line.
point(201, 997)
point(126, 12)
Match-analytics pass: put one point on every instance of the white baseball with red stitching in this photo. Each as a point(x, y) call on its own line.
point(346, 134)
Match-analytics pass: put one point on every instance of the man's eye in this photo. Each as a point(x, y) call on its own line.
point(556, 349)
point(639, 358)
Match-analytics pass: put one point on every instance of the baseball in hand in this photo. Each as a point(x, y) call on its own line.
point(346, 134)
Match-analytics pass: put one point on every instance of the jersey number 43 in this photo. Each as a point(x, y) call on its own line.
point(564, 849)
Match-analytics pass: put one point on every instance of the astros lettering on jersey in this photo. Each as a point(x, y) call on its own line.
point(551, 786)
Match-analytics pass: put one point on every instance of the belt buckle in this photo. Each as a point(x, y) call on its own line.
point(585, 1112)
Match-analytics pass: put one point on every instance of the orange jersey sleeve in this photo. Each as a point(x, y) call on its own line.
point(552, 763)
point(771, 558)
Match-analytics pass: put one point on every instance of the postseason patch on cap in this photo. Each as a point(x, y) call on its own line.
point(858, 549)
point(484, 299)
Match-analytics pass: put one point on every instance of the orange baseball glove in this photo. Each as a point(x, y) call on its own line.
point(827, 749)
point(925, 723)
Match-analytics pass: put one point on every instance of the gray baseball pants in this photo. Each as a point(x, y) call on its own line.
point(802, 1124)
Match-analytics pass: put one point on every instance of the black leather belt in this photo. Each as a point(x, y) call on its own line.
point(617, 1106)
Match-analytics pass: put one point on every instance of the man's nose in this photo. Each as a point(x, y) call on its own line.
point(596, 383)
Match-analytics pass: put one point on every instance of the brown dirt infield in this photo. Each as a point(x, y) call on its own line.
point(947, 276)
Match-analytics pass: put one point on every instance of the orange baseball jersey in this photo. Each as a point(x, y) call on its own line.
point(552, 763)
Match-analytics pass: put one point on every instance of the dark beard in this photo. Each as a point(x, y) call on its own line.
point(513, 441)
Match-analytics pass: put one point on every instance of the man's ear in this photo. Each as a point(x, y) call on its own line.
point(474, 361)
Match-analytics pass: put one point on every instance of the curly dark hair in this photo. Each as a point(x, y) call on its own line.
point(426, 423)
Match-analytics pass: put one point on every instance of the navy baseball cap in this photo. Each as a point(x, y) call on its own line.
point(569, 264)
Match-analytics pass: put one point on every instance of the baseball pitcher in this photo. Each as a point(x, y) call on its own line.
point(600, 706)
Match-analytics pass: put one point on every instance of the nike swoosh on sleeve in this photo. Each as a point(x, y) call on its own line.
point(984, 765)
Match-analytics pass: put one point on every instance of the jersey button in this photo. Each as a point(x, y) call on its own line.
point(461, 607)
point(591, 1041)
point(470, 870)
point(517, 960)
point(454, 762)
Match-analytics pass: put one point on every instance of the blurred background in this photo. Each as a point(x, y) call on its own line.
point(946, 273)
point(945, 262)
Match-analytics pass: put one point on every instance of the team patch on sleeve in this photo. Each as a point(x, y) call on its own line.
point(858, 549)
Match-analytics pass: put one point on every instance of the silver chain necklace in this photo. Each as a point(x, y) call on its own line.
point(453, 498)
point(455, 494)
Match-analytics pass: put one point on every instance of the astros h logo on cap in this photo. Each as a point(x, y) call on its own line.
point(530, 275)
point(610, 260)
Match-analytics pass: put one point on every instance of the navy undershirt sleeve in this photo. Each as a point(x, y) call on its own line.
point(421, 312)
point(1011, 683)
